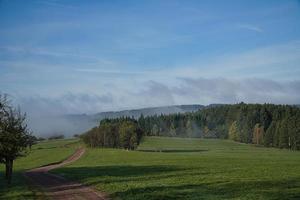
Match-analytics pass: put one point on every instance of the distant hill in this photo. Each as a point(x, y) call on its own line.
point(79, 123)
point(148, 111)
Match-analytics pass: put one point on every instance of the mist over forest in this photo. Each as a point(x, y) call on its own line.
point(71, 124)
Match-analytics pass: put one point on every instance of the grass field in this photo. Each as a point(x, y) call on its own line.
point(174, 168)
point(41, 154)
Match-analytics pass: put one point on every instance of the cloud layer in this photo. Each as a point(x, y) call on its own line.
point(46, 114)
point(153, 93)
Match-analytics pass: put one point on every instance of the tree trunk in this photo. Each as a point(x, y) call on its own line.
point(9, 169)
point(6, 169)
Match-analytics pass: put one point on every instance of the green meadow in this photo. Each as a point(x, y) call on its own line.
point(41, 154)
point(168, 168)
point(179, 168)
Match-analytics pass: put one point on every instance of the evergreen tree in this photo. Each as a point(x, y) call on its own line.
point(283, 136)
point(269, 136)
point(233, 132)
point(267, 124)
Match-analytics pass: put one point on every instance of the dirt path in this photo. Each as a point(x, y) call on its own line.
point(57, 187)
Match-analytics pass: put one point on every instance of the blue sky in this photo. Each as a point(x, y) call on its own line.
point(89, 56)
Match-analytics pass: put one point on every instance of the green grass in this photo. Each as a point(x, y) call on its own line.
point(176, 168)
point(41, 154)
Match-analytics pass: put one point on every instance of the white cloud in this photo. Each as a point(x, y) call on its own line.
point(55, 53)
point(250, 27)
point(55, 4)
point(259, 73)
point(270, 62)
point(106, 71)
point(220, 90)
point(153, 93)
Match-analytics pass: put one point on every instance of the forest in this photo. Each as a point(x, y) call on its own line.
point(261, 124)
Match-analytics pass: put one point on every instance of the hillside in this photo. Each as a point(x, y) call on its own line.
point(148, 111)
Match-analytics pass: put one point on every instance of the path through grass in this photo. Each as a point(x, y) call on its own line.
point(41, 154)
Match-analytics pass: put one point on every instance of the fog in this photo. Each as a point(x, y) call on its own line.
point(73, 113)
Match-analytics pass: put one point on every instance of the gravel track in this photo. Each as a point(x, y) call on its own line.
point(58, 187)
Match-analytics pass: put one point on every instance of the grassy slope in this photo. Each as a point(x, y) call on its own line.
point(42, 153)
point(190, 169)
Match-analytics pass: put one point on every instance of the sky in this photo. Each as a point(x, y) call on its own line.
point(66, 57)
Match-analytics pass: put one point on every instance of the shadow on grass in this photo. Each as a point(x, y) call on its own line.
point(19, 188)
point(125, 174)
point(118, 170)
point(283, 190)
point(173, 150)
point(138, 177)
point(41, 148)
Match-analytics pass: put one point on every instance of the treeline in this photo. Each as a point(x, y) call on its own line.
point(114, 133)
point(263, 124)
